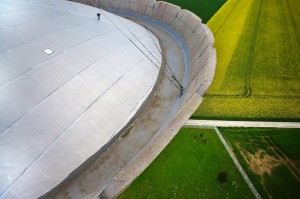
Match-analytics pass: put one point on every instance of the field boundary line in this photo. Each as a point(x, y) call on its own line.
point(257, 124)
point(237, 164)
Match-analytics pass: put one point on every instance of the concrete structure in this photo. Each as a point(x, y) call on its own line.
point(59, 154)
point(68, 84)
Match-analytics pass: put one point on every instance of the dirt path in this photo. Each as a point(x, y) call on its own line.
point(221, 123)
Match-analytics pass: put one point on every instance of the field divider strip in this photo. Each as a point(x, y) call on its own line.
point(239, 167)
point(236, 162)
point(227, 123)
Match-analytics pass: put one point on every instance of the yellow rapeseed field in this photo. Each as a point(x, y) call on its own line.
point(258, 62)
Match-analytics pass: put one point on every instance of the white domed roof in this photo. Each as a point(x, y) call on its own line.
point(68, 84)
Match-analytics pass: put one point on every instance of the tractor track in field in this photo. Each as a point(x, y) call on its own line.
point(247, 82)
point(225, 19)
point(284, 158)
point(293, 23)
point(247, 92)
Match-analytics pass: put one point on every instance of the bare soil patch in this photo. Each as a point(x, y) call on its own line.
point(261, 162)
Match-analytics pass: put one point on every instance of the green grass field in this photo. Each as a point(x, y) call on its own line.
point(203, 8)
point(258, 56)
point(188, 168)
point(271, 158)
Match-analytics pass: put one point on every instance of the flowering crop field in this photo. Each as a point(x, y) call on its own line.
point(258, 62)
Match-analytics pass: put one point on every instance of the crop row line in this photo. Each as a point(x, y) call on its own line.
point(247, 81)
point(225, 19)
point(293, 23)
point(284, 159)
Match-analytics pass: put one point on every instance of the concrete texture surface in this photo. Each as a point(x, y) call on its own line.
point(151, 151)
point(58, 110)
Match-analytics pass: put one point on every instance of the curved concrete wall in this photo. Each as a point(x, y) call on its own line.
point(200, 68)
point(197, 36)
